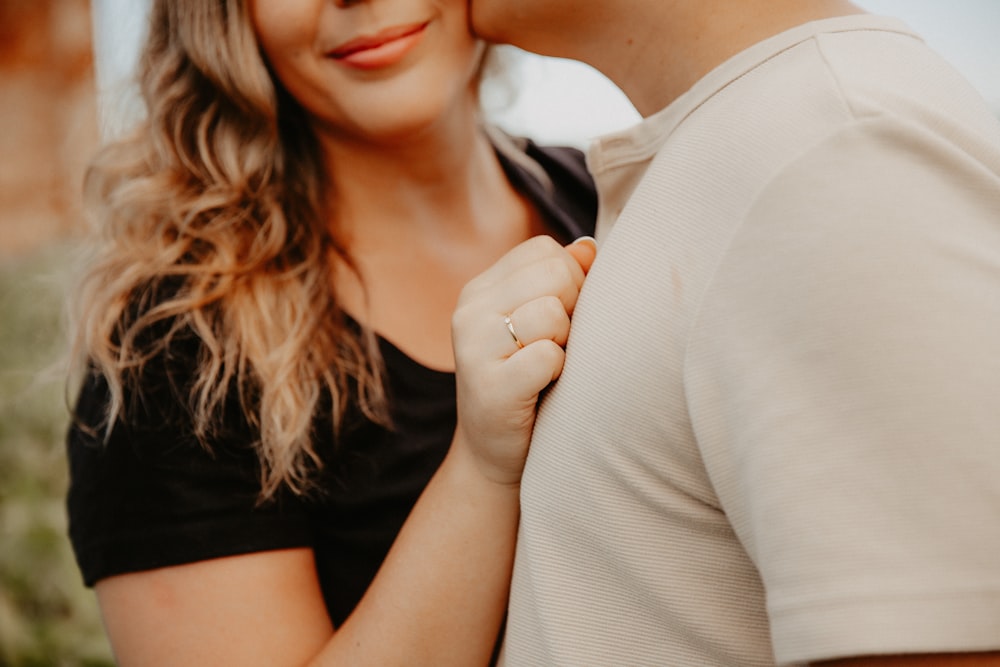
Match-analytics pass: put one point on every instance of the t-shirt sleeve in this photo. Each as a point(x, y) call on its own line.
point(844, 383)
point(153, 496)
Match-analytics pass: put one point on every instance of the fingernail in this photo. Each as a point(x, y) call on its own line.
point(587, 239)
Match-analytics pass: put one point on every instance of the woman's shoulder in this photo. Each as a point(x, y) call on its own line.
point(555, 178)
point(550, 164)
point(151, 389)
point(150, 491)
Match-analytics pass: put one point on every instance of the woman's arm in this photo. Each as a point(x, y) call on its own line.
point(440, 596)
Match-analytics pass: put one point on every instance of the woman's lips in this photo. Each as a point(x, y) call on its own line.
point(380, 50)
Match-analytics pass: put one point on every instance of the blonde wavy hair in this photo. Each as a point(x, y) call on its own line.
point(213, 220)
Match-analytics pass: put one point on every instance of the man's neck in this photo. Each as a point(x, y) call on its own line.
point(658, 49)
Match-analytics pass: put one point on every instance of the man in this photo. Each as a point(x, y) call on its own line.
point(776, 438)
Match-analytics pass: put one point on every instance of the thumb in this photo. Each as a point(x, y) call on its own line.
point(584, 251)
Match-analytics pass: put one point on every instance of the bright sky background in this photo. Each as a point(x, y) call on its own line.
point(565, 102)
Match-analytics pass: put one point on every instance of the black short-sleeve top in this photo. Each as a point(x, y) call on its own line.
point(153, 496)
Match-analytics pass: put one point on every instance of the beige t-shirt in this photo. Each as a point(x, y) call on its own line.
point(777, 434)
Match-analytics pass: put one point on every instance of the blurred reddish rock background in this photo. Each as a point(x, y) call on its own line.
point(48, 120)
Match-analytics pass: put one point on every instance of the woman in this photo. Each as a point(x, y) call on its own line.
point(267, 327)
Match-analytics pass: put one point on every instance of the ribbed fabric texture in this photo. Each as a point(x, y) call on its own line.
point(775, 436)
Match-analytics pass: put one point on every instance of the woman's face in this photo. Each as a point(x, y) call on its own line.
point(370, 69)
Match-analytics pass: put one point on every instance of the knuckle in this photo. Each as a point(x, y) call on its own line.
point(551, 309)
point(543, 244)
point(557, 272)
point(471, 289)
point(460, 316)
point(554, 356)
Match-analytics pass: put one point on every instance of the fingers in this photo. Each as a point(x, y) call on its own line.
point(537, 267)
point(543, 318)
point(538, 365)
point(584, 251)
point(536, 285)
point(509, 330)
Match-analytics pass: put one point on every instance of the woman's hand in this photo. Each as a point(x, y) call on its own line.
point(509, 331)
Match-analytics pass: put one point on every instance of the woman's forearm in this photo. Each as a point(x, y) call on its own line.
point(440, 596)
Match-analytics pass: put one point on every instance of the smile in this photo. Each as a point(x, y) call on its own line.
point(380, 50)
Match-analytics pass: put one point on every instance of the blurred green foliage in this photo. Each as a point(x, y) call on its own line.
point(47, 617)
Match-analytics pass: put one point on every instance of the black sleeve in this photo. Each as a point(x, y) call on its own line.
point(574, 192)
point(152, 495)
point(569, 206)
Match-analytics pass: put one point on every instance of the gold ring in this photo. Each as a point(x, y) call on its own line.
point(513, 334)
